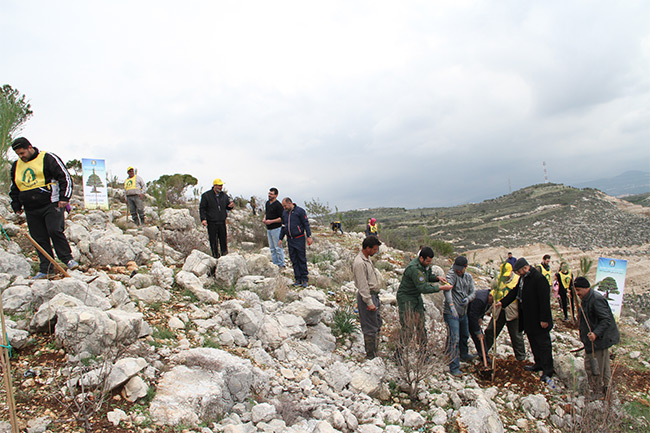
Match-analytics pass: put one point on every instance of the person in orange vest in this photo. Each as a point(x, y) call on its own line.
point(372, 229)
point(42, 187)
point(134, 189)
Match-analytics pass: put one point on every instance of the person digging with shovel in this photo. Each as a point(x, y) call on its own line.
point(475, 313)
point(598, 332)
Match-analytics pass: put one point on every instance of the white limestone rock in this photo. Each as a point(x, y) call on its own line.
point(230, 268)
point(14, 264)
point(535, 406)
point(199, 263)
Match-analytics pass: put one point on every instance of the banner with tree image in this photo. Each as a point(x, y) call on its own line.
point(94, 182)
point(610, 282)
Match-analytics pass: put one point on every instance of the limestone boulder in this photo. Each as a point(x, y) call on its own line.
point(199, 263)
point(162, 275)
point(177, 219)
point(259, 264)
point(308, 308)
point(274, 330)
point(116, 249)
point(204, 385)
point(14, 264)
point(17, 299)
point(191, 282)
point(47, 312)
point(230, 268)
point(151, 295)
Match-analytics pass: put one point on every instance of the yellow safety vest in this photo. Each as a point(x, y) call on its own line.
point(504, 288)
point(565, 279)
point(130, 183)
point(547, 274)
point(30, 174)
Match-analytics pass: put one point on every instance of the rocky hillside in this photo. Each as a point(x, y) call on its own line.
point(160, 337)
point(547, 213)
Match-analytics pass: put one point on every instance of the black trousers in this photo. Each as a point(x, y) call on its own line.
point(45, 224)
point(370, 320)
point(516, 337)
point(564, 300)
point(298, 255)
point(218, 238)
point(540, 345)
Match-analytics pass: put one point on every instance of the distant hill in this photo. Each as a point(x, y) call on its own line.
point(546, 213)
point(628, 183)
point(640, 199)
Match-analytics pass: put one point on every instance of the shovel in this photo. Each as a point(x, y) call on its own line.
point(594, 362)
point(483, 351)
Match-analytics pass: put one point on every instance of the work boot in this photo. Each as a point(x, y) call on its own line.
point(370, 342)
point(377, 339)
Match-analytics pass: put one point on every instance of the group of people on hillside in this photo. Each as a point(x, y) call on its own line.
point(520, 299)
point(282, 219)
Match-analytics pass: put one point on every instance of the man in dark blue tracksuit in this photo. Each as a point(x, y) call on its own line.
point(295, 226)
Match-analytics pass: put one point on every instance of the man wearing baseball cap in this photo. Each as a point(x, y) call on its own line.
point(534, 295)
point(213, 211)
point(134, 188)
point(455, 313)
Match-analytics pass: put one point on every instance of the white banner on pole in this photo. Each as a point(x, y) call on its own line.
point(610, 282)
point(94, 182)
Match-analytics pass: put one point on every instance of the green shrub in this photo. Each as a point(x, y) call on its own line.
point(163, 333)
point(345, 322)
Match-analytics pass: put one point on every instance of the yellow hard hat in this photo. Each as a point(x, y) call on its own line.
point(130, 168)
point(217, 181)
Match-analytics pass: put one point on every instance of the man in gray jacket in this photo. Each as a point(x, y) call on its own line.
point(368, 304)
point(598, 332)
point(455, 313)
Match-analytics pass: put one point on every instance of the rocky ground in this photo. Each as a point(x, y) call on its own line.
point(160, 337)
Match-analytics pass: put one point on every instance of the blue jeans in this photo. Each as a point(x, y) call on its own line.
point(277, 253)
point(458, 333)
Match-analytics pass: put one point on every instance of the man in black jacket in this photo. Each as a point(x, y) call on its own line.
point(41, 185)
point(533, 294)
point(598, 332)
point(213, 211)
point(475, 313)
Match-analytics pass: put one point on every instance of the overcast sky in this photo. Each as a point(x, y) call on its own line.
point(358, 103)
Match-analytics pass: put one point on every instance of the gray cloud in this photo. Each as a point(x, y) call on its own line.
point(364, 104)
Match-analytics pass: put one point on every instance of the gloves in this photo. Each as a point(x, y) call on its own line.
point(464, 302)
point(454, 313)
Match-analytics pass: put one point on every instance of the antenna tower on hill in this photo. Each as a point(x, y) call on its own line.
point(545, 172)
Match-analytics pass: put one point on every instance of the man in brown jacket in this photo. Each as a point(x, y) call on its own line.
point(365, 278)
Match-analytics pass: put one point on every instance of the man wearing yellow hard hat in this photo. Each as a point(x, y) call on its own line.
point(213, 211)
point(134, 188)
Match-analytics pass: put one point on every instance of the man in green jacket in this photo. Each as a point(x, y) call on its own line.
point(417, 280)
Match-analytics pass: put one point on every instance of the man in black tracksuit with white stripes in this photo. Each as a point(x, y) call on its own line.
point(42, 187)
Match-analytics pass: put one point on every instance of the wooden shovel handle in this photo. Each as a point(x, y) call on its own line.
point(49, 257)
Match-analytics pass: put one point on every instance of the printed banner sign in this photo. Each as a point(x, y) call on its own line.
point(610, 282)
point(94, 180)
